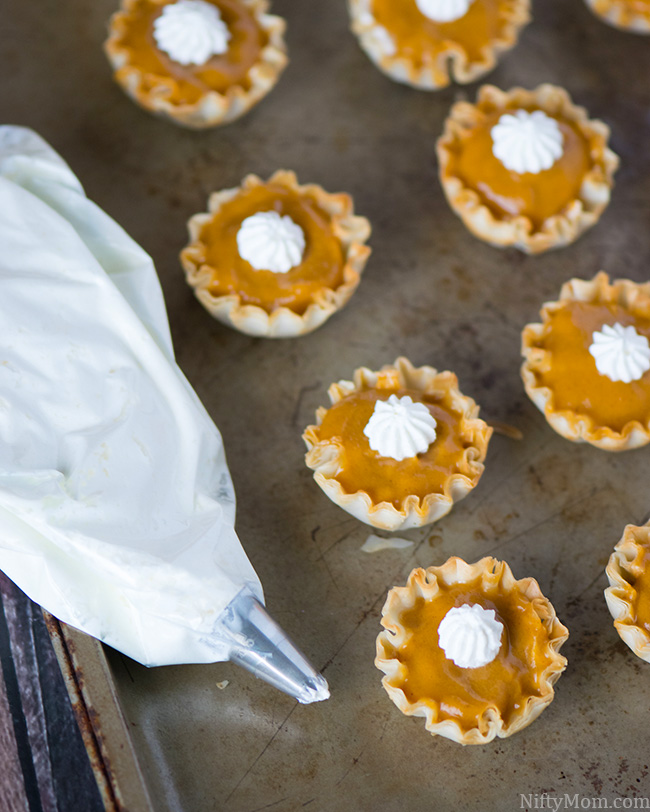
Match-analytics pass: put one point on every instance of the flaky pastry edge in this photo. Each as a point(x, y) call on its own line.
point(214, 108)
point(621, 594)
point(351, 230)
point(567, 423)
point(323, 456)
point(451, 63)
point(556, 231)
point(424, 583)
point(618, 14)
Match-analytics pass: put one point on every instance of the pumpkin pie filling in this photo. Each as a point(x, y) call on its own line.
point(321, 267)
point(420, 39)
point(507, 193)
point(382, 478)
point(465, 694)
point(572, 375)
point(187, 84)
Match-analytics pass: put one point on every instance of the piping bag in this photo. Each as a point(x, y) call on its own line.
point(117, 508)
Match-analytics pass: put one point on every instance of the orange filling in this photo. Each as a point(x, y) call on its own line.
point(420, 39)
point(509, 194)
point(641, 605)
point(186, 84)
point(465, 694)
point(382, 478)
point(572, 375)
point(321, 267)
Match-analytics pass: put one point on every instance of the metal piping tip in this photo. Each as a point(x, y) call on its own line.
point(260, 646)
point(315, 690)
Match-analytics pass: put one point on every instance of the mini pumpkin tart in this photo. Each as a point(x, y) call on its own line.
point(427, 43)
point(587, 365)
point(397, 447)
point(200, 63)
point(628, 594)
point(274, 258)
point(630, 15)
point(469, 648)
point(525, 168)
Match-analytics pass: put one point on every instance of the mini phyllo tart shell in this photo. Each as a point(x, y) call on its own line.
point(329, 219)
point(447, 58)
point(622, 299)
point(470, 705)
point(628, 594)
point(629, 15)
point(586, 197)
point(176, 92)
point(383, 492)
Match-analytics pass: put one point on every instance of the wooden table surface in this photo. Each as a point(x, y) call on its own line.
point(43, 762)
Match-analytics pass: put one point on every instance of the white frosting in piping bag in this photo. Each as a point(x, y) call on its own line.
point(116, 505)
point(620, 353)
point(191, 31)
point(527, 142)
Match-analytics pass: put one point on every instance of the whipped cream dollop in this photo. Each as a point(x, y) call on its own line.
point(444, 11)
point(271, 242)
point(470, 635)
point(620, 352)
point(191, 32)
point(527, 142)
point(399, 428)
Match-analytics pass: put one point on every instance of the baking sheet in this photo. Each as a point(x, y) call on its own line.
point(432, 292)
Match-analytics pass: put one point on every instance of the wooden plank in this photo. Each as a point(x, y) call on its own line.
point(29, 699)
point(12, 790)
point(43, 761)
